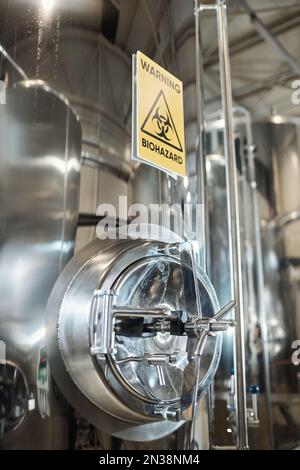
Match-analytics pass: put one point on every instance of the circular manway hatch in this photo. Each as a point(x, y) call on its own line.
point(125, 321)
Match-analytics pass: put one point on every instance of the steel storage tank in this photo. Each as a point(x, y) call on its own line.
point(275, 143)
point(39, 186)
point(252, 169)
point(96, 79)
point(278, 145)
point(277, 167)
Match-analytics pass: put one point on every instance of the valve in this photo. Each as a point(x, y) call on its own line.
point(206, 326)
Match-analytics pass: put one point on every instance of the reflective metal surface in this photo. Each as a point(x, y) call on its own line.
point(39, 185)
point(280, 238)
point(252, 276)
point(278, 146)
point(122, 392)
point(14, 397)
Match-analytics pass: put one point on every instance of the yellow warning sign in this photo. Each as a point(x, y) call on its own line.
point(158, 121)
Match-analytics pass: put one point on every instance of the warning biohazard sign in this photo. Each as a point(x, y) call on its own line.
point(158, 123)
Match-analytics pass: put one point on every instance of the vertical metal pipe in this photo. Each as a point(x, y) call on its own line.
point(201, 172)
point(233, 225)
point(200, 156)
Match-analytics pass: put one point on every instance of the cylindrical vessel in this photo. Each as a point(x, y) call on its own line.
point(278, 143)
point(39, 186)
point(278, 173)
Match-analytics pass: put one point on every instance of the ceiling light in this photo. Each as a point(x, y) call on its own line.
point(48, 4)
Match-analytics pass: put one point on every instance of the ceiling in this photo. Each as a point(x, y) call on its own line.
point(263, 69)
point(261, 75)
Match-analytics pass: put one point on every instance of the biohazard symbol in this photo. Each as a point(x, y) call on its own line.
point(162, 124)
point(159, 123)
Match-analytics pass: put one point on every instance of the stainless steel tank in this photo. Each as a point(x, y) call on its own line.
point(278, 144)
point(95, 76)
point(39, 187)
point(255, 332)
point(122, 336)
point(278, 172)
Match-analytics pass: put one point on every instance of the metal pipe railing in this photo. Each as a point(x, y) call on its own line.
point(200, 148)
point(233, 225)
point(233, 220)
